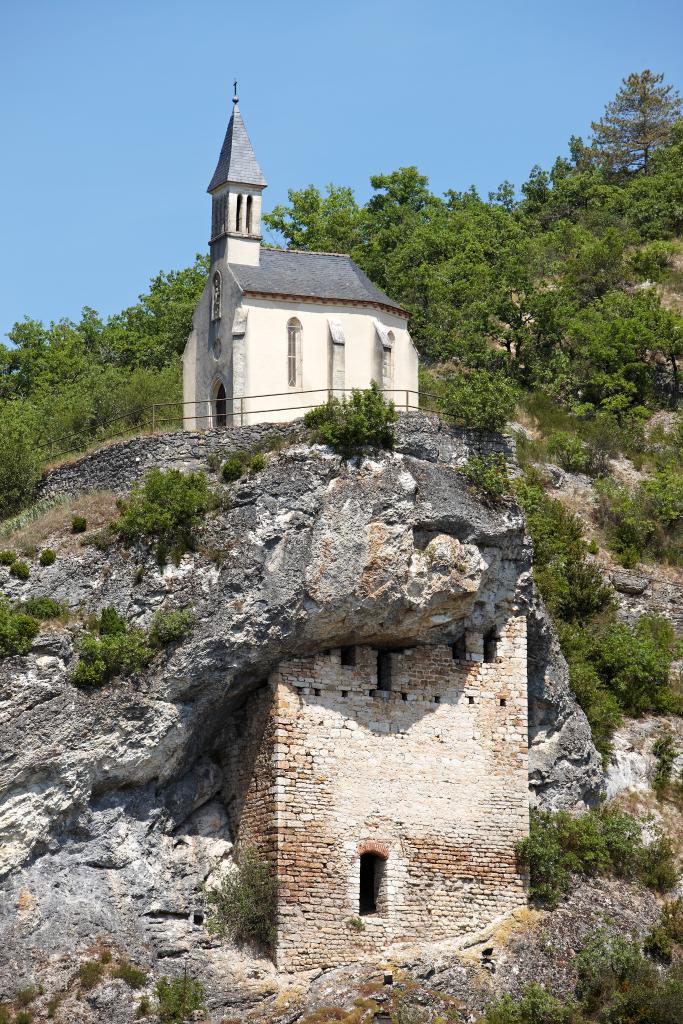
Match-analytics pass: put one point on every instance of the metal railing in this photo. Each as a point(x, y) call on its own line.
point(222, 414)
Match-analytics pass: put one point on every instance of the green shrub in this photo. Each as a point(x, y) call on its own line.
point(167, 507)
point(25, 996)
point(481, 399)
point(244, 904)
point(144, 1007)
point(79, 524)
point(647, 521)
point(42, 608)
point(350, 425)
point(53, 1004)
point(5, 1013)
point(7, 557)
point(133, 976)
point(111, 622)
point(20, 570)
point(233, 469)
point(17, 630)
point(23, 1017)
point(47, 556)
point(90, 974)
point(569, 452)
point(665, 752)
point(488, 475)
point(607, 964)
point(170, 626)
point(667, 933)
point(19, 459)
point(100, 659)
point(178, 999)
point(653, 260)
point(534, 1006)
point(257, 463)
point(572, 587)
point(603, 841)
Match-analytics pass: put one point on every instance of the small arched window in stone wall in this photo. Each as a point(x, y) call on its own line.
point(294, 333)
point(372, 871)
point(216, 296)
point(249, 214)
point(238, 215)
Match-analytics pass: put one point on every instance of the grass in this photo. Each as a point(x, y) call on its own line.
point(32, 528)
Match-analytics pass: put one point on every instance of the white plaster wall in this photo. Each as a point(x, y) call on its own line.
point(266, 357)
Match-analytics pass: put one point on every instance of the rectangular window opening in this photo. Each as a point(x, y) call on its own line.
point(348, 656)
point(470, 700)
point(383, 670)
point(459, 649)
point(371, 877)
point(345, 693)
point(503, 702)
point(437, 698)
point(404, 696)
point(490, 645)
point(316, 691)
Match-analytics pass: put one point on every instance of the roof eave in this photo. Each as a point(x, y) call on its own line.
point(327, 301)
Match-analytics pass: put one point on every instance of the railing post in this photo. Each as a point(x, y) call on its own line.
point(406, 399)
point(241, 411)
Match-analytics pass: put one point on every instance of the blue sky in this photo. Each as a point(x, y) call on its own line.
point(113, 114)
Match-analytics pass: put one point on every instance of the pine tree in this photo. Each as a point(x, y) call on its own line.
point(636, 122)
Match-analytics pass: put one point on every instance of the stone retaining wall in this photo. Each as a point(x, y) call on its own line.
point(117, 466)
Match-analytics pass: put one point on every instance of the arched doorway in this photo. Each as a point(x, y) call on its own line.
point(220, 405)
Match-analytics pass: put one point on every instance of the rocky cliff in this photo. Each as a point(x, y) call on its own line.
point(111, 802)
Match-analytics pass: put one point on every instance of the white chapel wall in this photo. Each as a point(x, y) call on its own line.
point(266, 349)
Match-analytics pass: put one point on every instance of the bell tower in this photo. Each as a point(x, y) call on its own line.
point(235, 190)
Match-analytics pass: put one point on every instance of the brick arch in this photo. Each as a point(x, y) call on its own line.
point(380, 850)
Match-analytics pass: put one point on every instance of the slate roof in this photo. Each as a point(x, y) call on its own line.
point(237, 161)
point(315, 275)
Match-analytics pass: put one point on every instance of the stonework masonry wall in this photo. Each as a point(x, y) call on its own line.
point(117, 466)
point(430, 774)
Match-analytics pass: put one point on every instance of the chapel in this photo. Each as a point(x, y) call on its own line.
point(279, 331)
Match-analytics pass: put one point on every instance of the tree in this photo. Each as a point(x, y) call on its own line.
point(637, 122)
point(330, 223)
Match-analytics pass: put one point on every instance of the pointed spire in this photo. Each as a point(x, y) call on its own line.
point(237, 162)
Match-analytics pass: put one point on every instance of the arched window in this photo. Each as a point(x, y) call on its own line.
point(372, 896)
point(220, 405)
point(294, 353)
point(216, 296)
point(387, 362)
point(249, 204)
point(238, 215)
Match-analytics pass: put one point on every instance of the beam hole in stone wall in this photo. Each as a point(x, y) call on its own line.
point(345, 693)
point(383, 670)
point(316, 691)
point(503, 702)
point(404, 696)
point(348, 656)
point(437, 698)
point(459, 649)
point(470, 700)
point(490, 645)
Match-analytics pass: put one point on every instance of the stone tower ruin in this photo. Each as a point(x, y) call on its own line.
point(388, 788)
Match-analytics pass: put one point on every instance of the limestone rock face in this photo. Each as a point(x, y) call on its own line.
point(111, 809)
